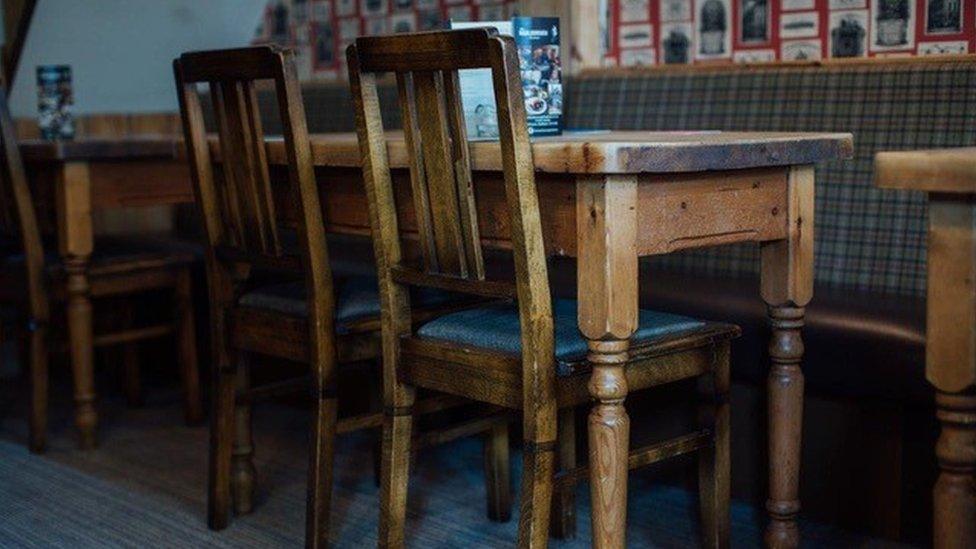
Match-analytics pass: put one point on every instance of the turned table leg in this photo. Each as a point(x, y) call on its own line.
point(606, 217)
point(785, 386)
point(954, 496)
point(609, 438)
point(951, 365)
point(75, 247)
point(786, 287)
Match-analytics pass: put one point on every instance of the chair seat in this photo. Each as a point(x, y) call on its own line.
point(496, 327)
point(357, 298)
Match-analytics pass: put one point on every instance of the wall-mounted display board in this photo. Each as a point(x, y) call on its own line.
point(320, 30)
point(655, 32)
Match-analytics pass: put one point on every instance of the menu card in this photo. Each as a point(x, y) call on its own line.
point(537, 41)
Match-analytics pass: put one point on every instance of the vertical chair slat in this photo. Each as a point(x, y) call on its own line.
point(462, 172)
point(199, 156)
point(436, 147)
point(418, 178)
point(231, 213)
point(264, 198)
point(238, 139)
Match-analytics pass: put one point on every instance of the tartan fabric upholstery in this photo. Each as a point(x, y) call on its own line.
point(867, 239)
point(328, 109)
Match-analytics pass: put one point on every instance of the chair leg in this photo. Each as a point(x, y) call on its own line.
point(242, 462)
point(954, 493)
point(3, 339)
point(131, 374)
point(395, 468)
point(129, 357)
point(563, 524)
point(713, 461)
point(38, 361)
point(497, 473)
point(539, 457)
point(221, 444)
point(186, 341)
point(376, 406)
point(322, 458)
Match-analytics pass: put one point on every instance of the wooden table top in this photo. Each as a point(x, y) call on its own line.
point(583, 152)
point(936, 170)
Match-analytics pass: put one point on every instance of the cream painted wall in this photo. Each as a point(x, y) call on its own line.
point(121, 51)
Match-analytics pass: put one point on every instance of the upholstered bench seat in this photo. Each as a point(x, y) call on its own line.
point(496, 327)
point(357, 297)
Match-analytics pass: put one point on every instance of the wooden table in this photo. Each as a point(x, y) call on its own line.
point(949, 178)
point(607, 199)
point(75, 177)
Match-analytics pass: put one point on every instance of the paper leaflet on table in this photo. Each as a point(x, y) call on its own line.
point(537, 41)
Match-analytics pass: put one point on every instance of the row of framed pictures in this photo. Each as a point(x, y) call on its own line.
point(651, 32)
point(320, 30)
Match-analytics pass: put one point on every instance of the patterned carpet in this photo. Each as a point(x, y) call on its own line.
point(144, 487)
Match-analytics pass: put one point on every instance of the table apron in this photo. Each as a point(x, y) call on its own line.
point(675, 211)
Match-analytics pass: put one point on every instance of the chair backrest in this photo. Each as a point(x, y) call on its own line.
point(241, 218)
point(426, 67)
point(19, 216)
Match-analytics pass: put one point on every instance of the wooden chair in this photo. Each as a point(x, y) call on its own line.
point(527, 353)
point(326, 319)
point(30, 280)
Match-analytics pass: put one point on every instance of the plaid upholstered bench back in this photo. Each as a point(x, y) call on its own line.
point(328, 108)
point(867, 239)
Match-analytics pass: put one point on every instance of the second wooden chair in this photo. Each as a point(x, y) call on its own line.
point(272, 299)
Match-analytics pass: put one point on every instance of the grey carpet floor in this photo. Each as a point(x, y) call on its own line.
point(145, 487)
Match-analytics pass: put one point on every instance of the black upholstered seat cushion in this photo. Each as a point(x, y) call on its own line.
point(496, 327)
point(357, 297)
